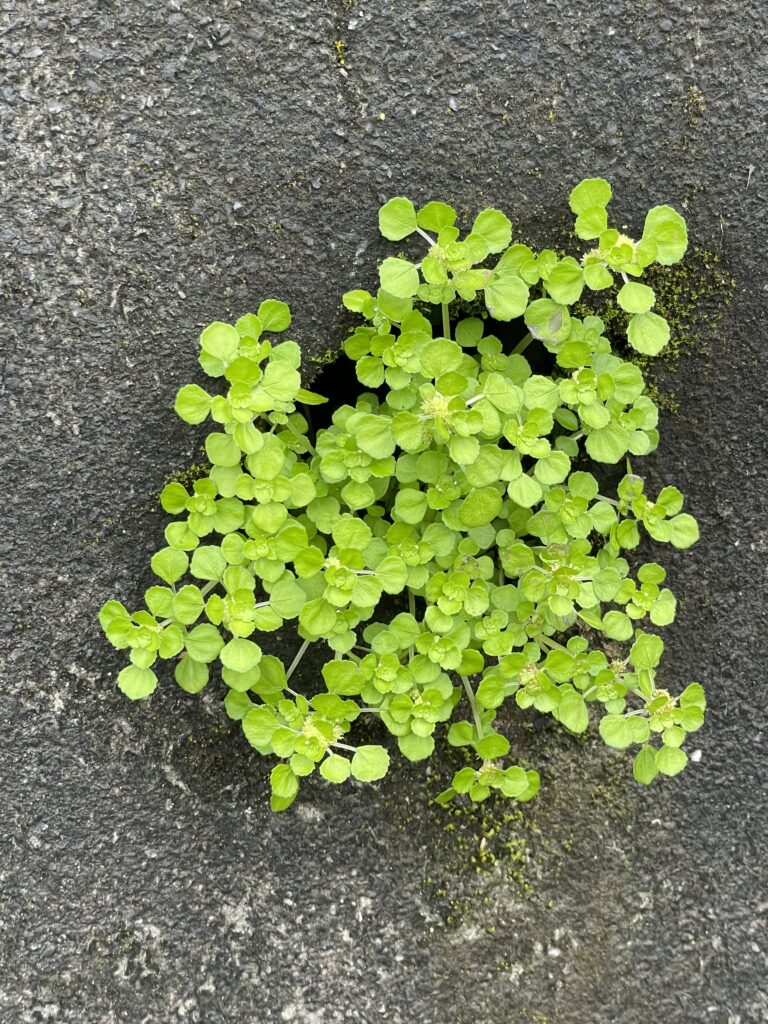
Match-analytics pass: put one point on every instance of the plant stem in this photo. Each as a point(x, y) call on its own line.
point(473, 704)
point(446, 321)
point(522, 345)
point(427, 237)
point(295, 663)
point(412, 610)
point(553, 644)
point(610, 501)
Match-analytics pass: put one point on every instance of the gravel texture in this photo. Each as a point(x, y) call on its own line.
point(166, 164)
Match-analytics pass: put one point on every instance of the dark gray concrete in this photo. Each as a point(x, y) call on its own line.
point(170, 163)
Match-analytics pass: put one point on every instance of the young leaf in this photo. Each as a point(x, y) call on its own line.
point(399, 277)
point(671, 760)
point(335, 769)
point(636, 298)
point(590, 193)
point(370, 763)
point(397, 219)
point(192, 403)
point(644, 766)
point(648, 333)
point(274, 315)
point(137, 683)
point(494, 228)
point(666, 229)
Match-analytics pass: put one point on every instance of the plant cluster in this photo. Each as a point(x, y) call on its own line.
point(454, 492)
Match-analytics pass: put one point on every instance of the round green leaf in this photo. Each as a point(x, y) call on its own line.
point(221, 341)
point(590, 193)
point(565, 282)
point(616, 731)
point(617, 626)
point(591, 223)
point(259, 726)
point(492, 747)
point(370, 763)
point(222, 450)
point(208, 563)
point(525, 491)
point(317, 618)
point(636, 298)
point(192, 404)
point(287, 598)
point(436, 216)
point(671, 760)
point(335, 769)
point(174, 498)
point(596, 275)
point(416, 748)
point(203, 643)
point(494, 228)
point(648, 333)
point(285, 786)
point(684, 531)
point(644, 766)
point(240, 654)
point(397, 219)
point(137, 683)
point(480, 507)
point(506, 295)
point(187, 605)
point(609, 443)
point(646, 651)
point(373, 435)
point(399, 277)
point(169, 564)
point(693, 696)
point(274, 315)
point(541, 393)
point(572, 712)
point(191, 675)
point(666, 229)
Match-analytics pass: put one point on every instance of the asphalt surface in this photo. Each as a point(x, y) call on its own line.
point(167, 164)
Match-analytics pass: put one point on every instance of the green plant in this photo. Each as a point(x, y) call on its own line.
point(454, 485)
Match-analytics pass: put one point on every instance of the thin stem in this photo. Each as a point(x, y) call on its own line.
point(425, 236)
point(522, 345)
point(412, 610)
point(473, 704)
point(295, 663)
point(446, 321)
point(553, 644)
point(611, 501)
point(475, 398)
point(343, 746)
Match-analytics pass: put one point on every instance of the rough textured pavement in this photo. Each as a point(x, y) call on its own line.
point(166, 164)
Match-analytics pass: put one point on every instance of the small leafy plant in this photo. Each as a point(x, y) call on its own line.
point(443, 536)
